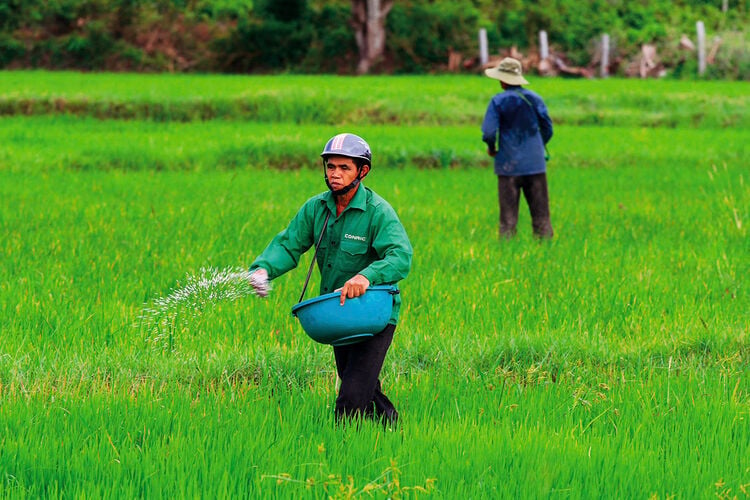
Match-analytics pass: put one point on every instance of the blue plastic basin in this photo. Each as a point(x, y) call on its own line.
point(325, 320)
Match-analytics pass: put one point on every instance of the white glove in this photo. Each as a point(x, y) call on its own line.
point(259, 282)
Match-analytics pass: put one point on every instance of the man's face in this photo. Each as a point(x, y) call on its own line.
point(341, 171)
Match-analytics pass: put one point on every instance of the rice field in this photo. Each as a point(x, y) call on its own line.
point(611, 362)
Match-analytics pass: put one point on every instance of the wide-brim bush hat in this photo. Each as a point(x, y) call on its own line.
point(508, 71)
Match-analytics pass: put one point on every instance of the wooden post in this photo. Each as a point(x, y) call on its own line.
point(483, 53)
point(543, 47)
point(724, 5)
point(605, 55)
point(701, 29)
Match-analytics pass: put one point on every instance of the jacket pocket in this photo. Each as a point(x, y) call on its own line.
point(353, 256)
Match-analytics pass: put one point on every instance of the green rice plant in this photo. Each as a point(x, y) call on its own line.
point(638, 234)
point(653, 433)
point(54, 143)
point(560, 362)
point(611, 361)
point(381, 100)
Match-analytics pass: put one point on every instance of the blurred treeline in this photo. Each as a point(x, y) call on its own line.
point(316, 36)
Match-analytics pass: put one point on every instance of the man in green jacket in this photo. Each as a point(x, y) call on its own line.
point(363, 243)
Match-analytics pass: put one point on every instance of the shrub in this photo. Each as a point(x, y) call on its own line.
point(90, 48)
point(332, 48)
point(10, 50)
point(421, 35)
point(733, 59)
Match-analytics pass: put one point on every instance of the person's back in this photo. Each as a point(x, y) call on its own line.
point(516, 129)
point(518, 117)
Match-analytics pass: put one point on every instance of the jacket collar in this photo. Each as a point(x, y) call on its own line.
point(359, 201)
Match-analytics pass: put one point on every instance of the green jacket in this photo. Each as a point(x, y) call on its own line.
point(367, 239)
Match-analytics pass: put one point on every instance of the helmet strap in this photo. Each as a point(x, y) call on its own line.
point(345, 189)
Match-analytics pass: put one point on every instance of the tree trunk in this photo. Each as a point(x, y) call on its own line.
point(368, 18)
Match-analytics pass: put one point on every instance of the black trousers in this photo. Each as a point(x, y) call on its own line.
point(534, 188)
point(358, 366)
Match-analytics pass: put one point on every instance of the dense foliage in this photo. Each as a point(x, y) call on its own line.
point(313, 36)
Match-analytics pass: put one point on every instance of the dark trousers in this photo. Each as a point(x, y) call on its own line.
point(358, 366)
point(534, 188)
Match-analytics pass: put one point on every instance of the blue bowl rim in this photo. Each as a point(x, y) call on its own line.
point(387, 288)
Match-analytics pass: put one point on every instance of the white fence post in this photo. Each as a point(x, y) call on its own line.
point(605, 55)
point(701, 29)
point(483, 53)
point(543, 47)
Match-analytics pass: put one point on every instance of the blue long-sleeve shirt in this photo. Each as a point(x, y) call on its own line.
point(517, 132)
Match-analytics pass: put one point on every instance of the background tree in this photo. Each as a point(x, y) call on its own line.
point(368, 20)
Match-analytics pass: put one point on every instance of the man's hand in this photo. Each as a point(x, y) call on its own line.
point(354, 288)
point(491, 152)
point(259, 282)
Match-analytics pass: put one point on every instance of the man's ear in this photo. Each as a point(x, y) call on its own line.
point(365, 170)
